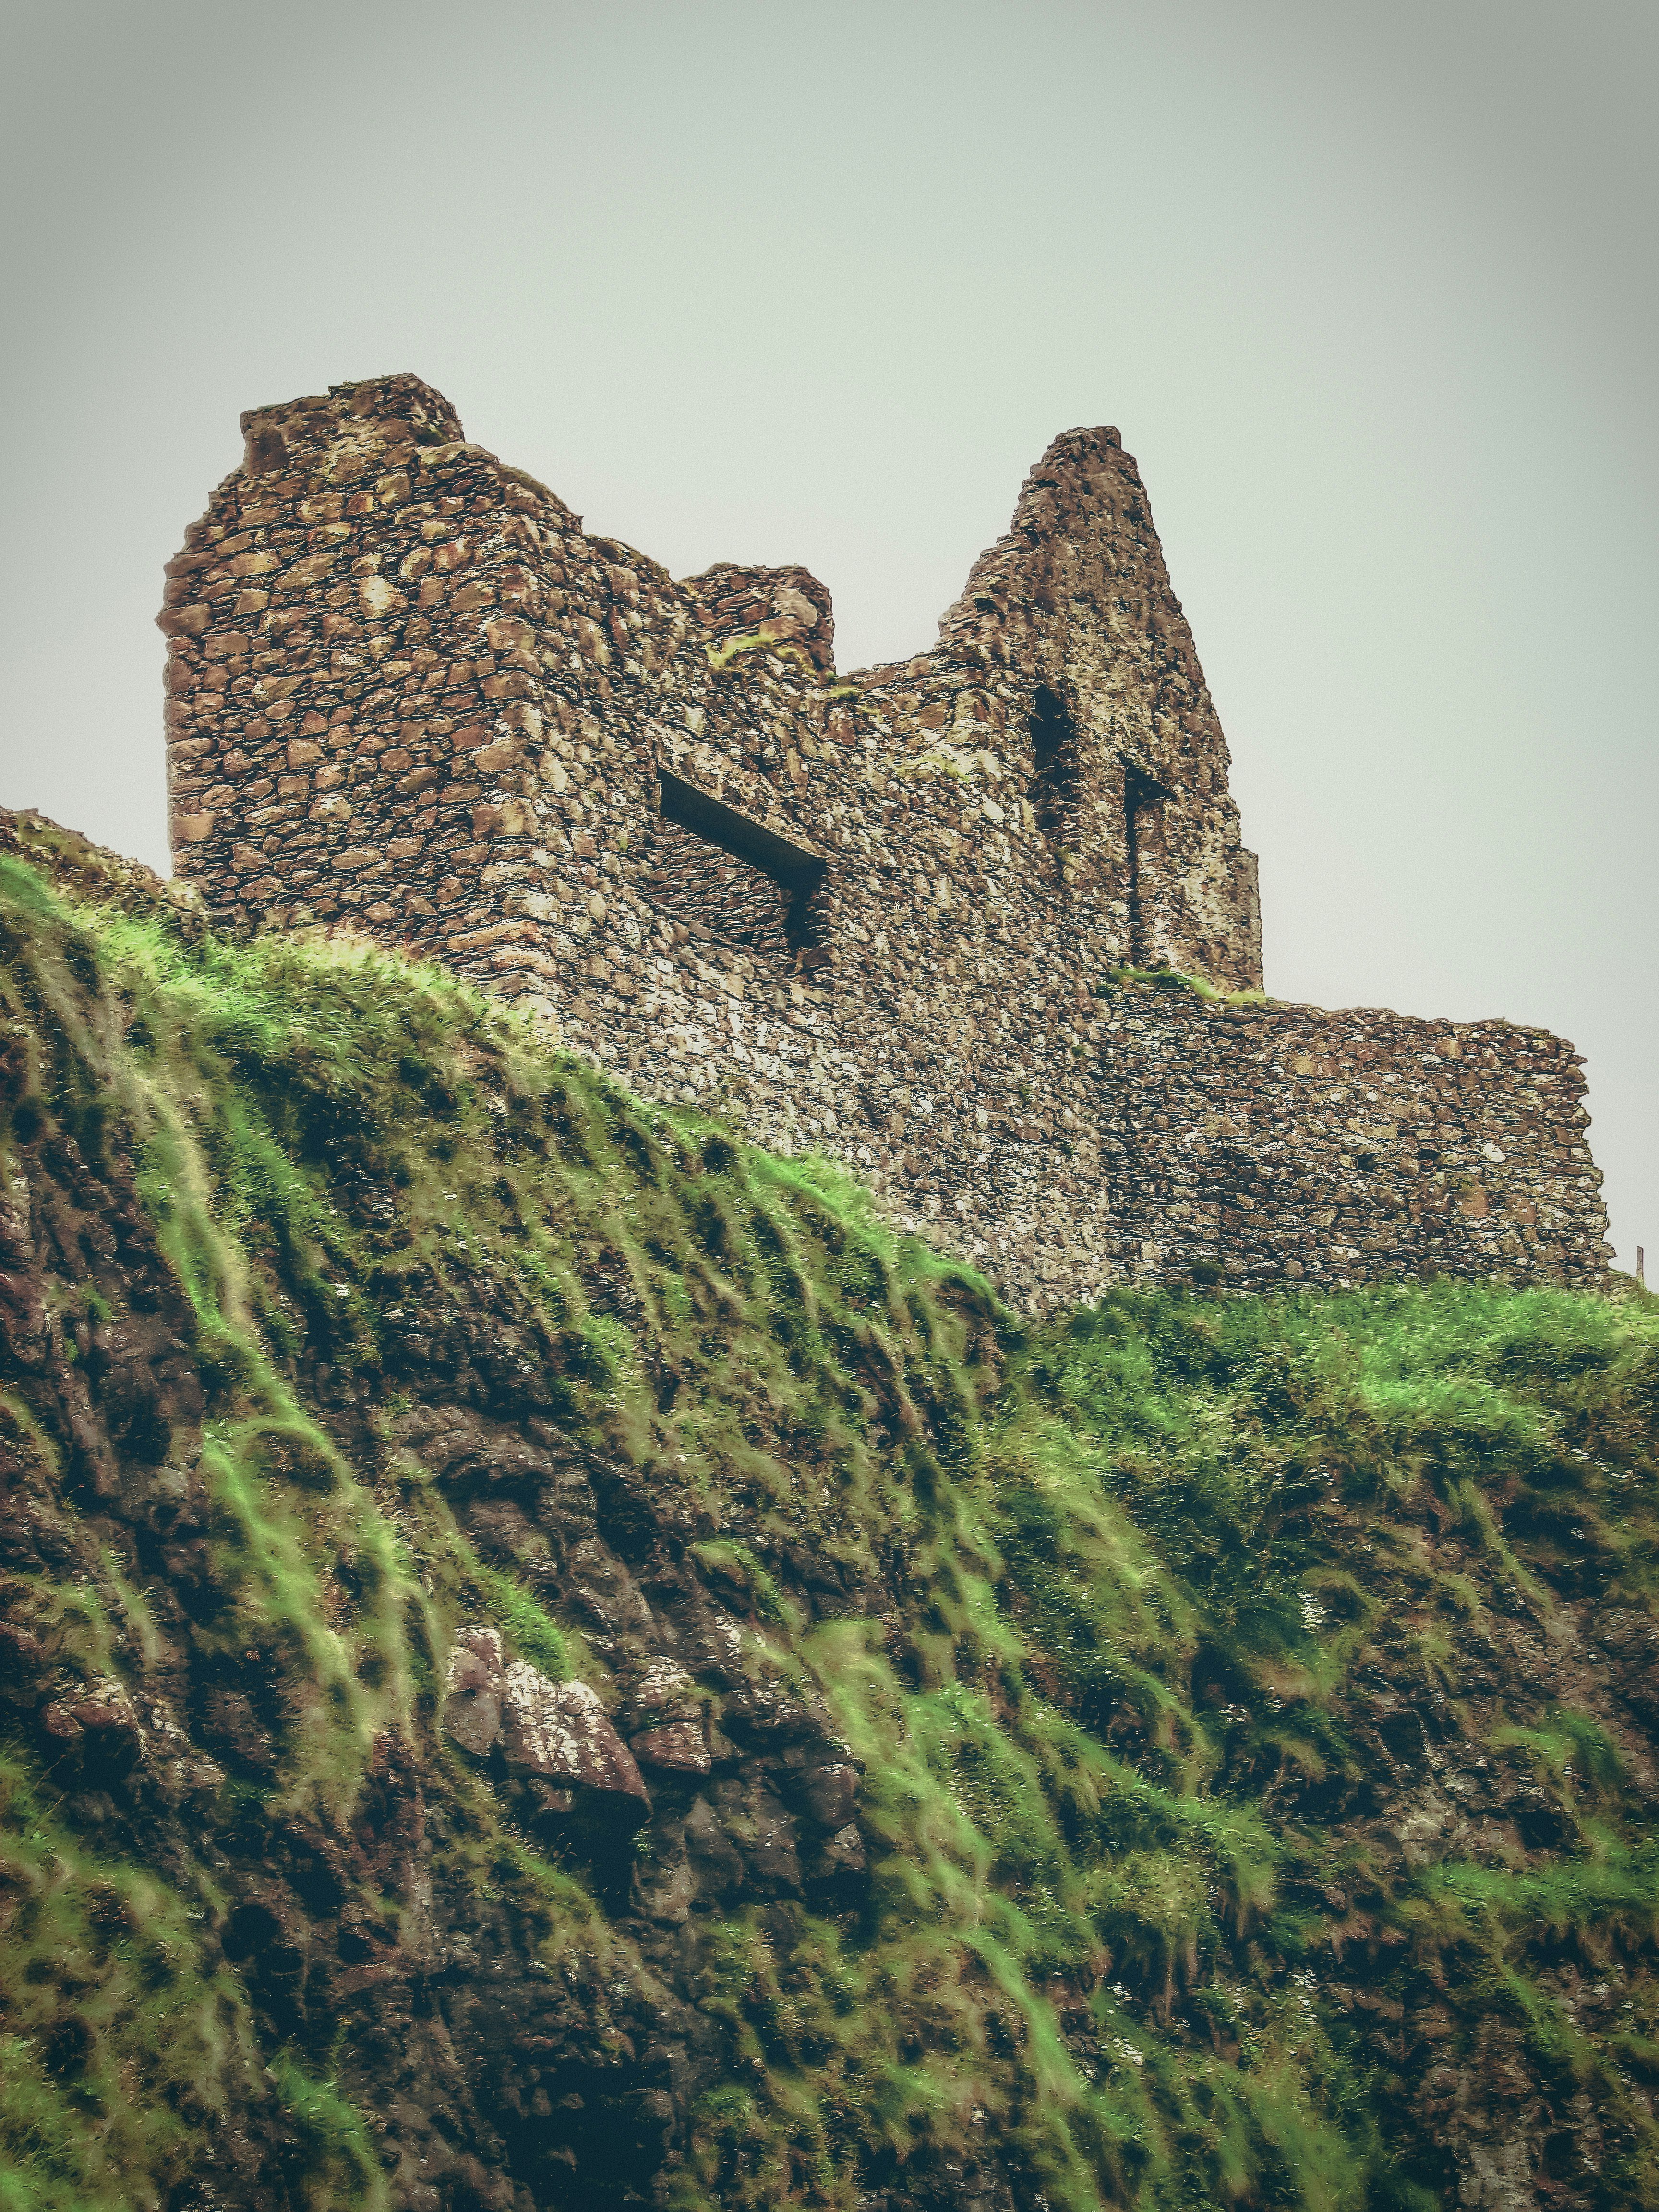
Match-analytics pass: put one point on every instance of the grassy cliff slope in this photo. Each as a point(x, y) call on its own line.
point(1193, 1752)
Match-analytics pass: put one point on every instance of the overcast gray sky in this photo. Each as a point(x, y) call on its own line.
point(1371, 291)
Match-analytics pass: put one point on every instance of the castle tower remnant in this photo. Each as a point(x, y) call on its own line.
point(879, 915)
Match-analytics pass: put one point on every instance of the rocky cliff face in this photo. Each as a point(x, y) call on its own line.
point(546, 1661)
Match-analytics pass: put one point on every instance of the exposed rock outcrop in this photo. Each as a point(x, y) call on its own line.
point(545, 1663)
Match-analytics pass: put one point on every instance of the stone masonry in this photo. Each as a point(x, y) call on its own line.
point(886, 916)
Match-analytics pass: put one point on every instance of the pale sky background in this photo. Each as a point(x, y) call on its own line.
point(1371, 291)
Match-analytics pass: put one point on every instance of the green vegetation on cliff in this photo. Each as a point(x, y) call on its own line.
point(1253, 1701)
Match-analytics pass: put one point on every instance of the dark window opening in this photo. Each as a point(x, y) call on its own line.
point(1053, 768)
point(1141, 798)
point(730, 878)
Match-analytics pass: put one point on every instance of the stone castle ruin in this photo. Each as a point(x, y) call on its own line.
point(931, 918)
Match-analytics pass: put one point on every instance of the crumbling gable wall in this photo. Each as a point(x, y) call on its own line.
point(408, 692)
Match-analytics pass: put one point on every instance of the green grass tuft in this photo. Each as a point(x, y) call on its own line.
point(1156, 1613)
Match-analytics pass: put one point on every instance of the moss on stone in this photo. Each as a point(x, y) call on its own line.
point(1189, 1610)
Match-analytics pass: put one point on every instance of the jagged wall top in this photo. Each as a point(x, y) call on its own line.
point(409, 691)
point(350, 420)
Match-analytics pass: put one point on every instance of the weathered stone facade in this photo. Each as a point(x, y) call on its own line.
point(1268, 1144)
point(877, 915)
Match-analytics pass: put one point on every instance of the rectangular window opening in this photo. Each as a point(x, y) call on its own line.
point(727, 876)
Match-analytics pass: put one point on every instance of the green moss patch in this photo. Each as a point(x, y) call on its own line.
point(1181, 1645)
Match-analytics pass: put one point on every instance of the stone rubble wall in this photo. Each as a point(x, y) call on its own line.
point(408, 693)
point(768, 607)
point(1263, 1145)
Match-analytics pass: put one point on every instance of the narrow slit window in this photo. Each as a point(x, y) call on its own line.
point(731, 879)
point(1141, 800)
point(1053, 768)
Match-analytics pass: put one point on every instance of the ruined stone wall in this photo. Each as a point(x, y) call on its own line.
point(408, 692)
point(1261, 1145)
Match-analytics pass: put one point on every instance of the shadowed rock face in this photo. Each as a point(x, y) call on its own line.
point(497, 2083)
point(531, 1615)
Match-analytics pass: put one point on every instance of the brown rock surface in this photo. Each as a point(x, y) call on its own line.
point(559, 1730)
